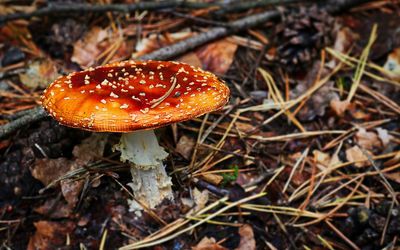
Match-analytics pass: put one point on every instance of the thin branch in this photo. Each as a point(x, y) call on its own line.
point(73, 9)
point(35, 114)
point(208, 36)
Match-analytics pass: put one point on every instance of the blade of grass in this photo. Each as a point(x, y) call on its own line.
point(361, 65)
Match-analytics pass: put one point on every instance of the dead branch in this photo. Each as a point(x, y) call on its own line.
point(140, 6)
point(208, 36)
point(34, 115)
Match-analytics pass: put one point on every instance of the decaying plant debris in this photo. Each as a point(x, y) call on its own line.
point(305, 155)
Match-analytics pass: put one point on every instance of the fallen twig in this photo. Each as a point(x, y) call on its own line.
point(35, 114)
point(73, 9)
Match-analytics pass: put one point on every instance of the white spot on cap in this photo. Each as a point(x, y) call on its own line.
point(144, 111)
point(124, 106)
point(103, 101)
point(114, 95)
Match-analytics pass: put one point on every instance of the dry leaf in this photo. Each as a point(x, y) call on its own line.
point(368, 140)
point(185, 146)
point(217, 57)
point(87, 51)
point(190, 58)
point(60, 211)
point(339, 106)
point(200, 199)
point(39, 74)
point(244, 127)
point(384, 136)
point(247, 241)
point(212, 178)
point(50, 235)
point(208, 244)
point(393, 176)
point(355, 154)
point(392, 64)
point(324, 160)
point(48, 170)
point(360, 114)
point(71, 189)
point(344, 40)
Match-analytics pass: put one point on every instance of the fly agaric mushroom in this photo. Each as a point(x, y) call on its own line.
point(134, 98)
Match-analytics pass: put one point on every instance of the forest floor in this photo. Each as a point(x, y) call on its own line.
point(306, 154)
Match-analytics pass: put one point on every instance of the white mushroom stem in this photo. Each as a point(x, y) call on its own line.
point(150, 182)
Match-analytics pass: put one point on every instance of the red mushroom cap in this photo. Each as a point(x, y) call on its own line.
point(133, 95)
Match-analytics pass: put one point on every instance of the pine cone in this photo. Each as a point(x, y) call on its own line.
point(302, 34)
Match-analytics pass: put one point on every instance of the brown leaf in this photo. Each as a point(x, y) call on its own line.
point(212, 178)
point(217, 57)
point(200, 200)
point(324, 160)
point(53, 210)
point(208, 244)
point(48, 170)
point(392, 64)
point(70, 188)
point(393, 176)
point(39, 74)
point(368, 140)
point(247, 241)
point(185, 146)
point(384, 136)
point(190, 58)
point(355, 154)
point(88, 51)
point(244, 127)
point(50, 235)
point(339, 106)
point(344, 40)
